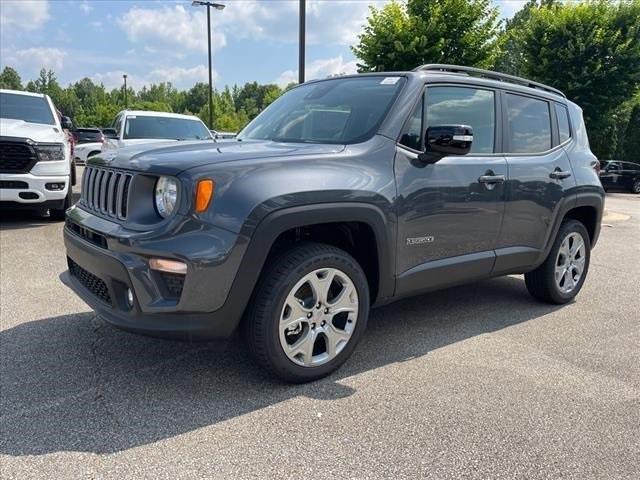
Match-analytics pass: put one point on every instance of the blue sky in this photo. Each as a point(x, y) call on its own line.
point(165, 40)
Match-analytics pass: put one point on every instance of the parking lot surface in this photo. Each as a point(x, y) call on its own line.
point(478, 381)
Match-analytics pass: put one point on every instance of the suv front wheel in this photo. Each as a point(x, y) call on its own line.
point(308, 312)
point(560, 278)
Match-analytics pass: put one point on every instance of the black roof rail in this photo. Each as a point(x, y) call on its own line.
point(503, 77)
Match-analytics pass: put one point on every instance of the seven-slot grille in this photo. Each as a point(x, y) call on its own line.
point(106, 191)
point(16, 157)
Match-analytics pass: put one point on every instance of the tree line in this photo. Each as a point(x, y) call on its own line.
point(590, 50)
point(91, 105)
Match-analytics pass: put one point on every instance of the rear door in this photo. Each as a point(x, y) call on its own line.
point(540, 176)
point(611, 175)
point(448, 216)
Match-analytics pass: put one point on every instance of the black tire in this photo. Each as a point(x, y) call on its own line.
point(541, 282)
point(280, 275)
point(58, 214)
point(635, 187)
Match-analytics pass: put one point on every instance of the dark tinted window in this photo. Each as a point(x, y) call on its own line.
point(412, 134)
point(165, 127)
point(26, 107)
point(341, 110)
point(563, 122)
point(529, 124)
point(464, 106)
point(85, 135)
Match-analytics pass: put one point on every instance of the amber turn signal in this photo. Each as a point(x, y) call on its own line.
point(166, 265)
point(204, 194)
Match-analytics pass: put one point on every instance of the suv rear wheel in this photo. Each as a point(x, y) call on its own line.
point(308, 312)
point(560, 278)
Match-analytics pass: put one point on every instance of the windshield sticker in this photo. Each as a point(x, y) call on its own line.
point(389, 80)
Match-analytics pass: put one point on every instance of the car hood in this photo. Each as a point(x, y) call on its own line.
point(173, 158)
point(38, 132)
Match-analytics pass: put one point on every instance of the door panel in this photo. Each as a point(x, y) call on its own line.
point(444, 210)
point(538, 183)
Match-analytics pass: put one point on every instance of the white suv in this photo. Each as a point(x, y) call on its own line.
point(35, 154)
point(134, 127)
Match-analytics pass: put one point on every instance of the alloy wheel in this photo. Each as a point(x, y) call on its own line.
point(318, 317)
point(570, 262)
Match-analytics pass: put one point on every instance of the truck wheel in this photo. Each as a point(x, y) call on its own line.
point(559, 279)
point(59, 213)
point(308, 312)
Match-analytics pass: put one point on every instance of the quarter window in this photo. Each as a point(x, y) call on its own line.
point(529, 124)
point(464, 106)
point(412, 134)
point(563, 122)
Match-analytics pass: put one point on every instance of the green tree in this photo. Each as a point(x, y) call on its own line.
point(10, 79)
point(631, 139)
point(591, 51)
point(402, 36)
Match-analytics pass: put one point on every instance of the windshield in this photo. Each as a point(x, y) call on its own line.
point(25, 107)
point(165, 127)
point(341, 111)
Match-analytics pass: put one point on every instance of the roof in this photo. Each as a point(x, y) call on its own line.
point(21, 92)
point(148, 113)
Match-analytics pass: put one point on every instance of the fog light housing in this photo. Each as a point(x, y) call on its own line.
point(129, 297)
point(55, 186)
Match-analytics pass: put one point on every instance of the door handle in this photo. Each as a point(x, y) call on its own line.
point(491, 179)
point(558, 174)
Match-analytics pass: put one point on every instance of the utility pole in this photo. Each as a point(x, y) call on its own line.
point(301, 40)
point(125, 90)
point(217, 6)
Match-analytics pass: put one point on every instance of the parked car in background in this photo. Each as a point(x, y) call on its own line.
point(134, 127)
point(89, 142)
point(617, 175)
point(343, 194)
point(36, 166)
point(223, 135)
point(88, 135)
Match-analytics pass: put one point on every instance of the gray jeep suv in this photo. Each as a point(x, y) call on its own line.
point(344, 194)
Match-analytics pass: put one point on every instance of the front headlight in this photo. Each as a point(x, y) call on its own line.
point(50, 152)
point(166, 196)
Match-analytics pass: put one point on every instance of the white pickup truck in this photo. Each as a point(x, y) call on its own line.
point(35, 154)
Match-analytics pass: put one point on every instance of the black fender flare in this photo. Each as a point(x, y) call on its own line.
point(275, 223)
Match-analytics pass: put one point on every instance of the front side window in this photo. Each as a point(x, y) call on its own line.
point(464, 106)
point(338, 111)
point(563, 122)
point(137, 127)
point(27, 108)
point(529, 124)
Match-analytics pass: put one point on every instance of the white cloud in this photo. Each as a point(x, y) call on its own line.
point(184, 27)
point(170, 28)
point(24, 14)
point(178, 76)
point(85, 7)
point(319, 69)
point(38, 57)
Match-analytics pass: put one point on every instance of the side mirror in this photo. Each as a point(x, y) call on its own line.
point(66, 123)
point(110, 132)
point(443, 140)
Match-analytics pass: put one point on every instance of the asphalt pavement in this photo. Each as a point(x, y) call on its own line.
point(478, 381)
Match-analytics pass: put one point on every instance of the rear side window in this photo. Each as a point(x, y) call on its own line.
point(464, 106)
point(563, 122)
point(529, 124)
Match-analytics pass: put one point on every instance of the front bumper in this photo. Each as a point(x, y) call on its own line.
point(33, 186)
point(118, 260)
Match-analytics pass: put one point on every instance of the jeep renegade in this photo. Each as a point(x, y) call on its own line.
point(344, 194)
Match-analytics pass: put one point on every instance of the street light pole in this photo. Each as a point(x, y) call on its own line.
point(125, 90)
point(217, 6)
point(301, 40)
